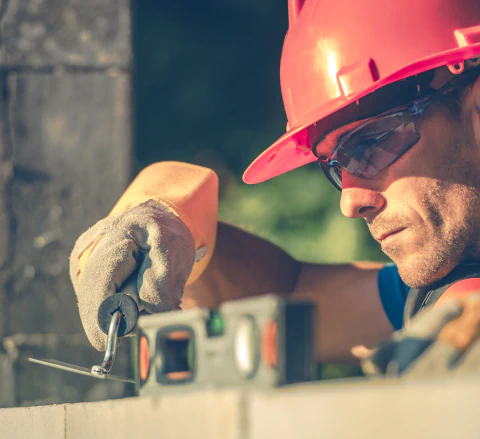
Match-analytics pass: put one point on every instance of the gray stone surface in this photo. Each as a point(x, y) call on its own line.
point(33, 423)
point(210, 414)
point(65, 158)
point(80, 33)
point(5, 178)
point(71, 143)
point(366, 410)
point(362, 410)
point(71, 152)
point(7, 382)
point(7, 395)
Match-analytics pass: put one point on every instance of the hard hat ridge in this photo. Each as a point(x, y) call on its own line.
point(294, 9)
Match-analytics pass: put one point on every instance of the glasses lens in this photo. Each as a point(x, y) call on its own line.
point(333, 172)
point(376, 145)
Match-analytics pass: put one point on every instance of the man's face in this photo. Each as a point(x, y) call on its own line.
point(424, 209)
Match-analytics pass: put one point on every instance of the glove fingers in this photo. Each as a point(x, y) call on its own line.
point(469, 361)
point(83, 243)
point(435, 362)
point(429, 322)
point(108, 267)
point(150, 237)
point(166, 267)
point(414, 351)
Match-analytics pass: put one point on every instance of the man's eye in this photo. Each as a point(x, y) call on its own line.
point(359, 144)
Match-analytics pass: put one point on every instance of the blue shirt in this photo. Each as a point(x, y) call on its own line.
point(393, 294)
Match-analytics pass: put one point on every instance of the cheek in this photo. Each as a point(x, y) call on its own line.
point(417, 202)
point(431, 207)
point(419, 178)
point(404, 175)
point(431, 156)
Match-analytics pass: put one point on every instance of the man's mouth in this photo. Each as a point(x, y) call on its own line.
point(388, 235)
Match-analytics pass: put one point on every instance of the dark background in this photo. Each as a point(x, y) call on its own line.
point(207, 91)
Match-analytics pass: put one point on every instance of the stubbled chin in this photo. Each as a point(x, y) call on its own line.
point(419, 270)
point(416, 261)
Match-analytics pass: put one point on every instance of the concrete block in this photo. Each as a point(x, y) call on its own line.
point(80, 33)
point(394, 410)
point(6, 172)
point(440, 409)
point(7, 382)
point(208, 414)
point(72, 161)
point(33, 423)
point(65, 158)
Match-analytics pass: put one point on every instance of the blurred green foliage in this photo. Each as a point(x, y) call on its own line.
point(299, 212)
point(207, 91)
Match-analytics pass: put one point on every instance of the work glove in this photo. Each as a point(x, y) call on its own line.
point(437, 342)
point(148, 244)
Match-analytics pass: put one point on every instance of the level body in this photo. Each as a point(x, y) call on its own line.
point(265, 341)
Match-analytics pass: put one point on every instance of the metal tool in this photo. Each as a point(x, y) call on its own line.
point(80, 370)
point(117, 317)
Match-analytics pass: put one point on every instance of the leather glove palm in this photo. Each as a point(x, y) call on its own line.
point(149, 242)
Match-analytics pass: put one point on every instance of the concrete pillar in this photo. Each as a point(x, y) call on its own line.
point(65, 158)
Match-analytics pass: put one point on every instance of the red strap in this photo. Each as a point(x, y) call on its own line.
point(462, 288)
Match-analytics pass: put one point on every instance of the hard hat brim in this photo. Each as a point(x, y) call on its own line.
point(288, 152)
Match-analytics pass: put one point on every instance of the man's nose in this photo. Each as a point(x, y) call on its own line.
point(359, 199)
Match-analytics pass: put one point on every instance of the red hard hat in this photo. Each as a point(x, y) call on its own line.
point(337, 52)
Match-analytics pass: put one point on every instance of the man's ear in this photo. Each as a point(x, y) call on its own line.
point(476, 93)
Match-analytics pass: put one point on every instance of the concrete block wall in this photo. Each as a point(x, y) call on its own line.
point(65, 158)
point(361, 410)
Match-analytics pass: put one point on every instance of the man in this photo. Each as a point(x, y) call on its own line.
point(385, 97)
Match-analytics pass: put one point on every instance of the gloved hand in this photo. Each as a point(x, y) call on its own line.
point(437, 342)
point(147, 241)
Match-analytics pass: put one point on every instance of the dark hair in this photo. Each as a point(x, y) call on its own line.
point(454, 100)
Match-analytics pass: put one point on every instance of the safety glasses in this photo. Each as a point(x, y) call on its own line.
point(374, 145)
point(381, 139)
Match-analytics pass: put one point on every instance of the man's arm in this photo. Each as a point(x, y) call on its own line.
point(348, 307)
point(146, 232)
point(349, 311)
